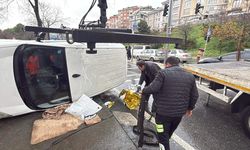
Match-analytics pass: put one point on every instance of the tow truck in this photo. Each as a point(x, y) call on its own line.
point(226, 76)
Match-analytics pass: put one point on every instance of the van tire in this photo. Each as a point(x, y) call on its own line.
point(246, 121)
point(151, 59)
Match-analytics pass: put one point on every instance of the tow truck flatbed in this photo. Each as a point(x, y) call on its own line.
point(234, 76)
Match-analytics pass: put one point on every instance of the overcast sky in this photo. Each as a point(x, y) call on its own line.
point(75, 9)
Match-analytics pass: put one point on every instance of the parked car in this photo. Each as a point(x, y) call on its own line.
point(245, 55)
point(137, 49)
point(181, 54)
point(152, 55)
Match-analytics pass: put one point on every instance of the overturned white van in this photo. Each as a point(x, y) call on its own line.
point(36, 76)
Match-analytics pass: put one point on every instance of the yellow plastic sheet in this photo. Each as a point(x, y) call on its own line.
point(131, 99)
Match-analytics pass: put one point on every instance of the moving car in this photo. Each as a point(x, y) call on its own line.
point(152, 55)
point(36, 75)
point(181, 54)
point(245, 55)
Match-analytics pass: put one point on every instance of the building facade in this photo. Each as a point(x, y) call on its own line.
point(137, 16)
point(183, 12)
point(156, 20)
point(113, 22)
point(238, 6)
point(121, 20)
point(123, 17)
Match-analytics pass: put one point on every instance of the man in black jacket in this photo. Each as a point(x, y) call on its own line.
point(175, 93)
point(149, 71)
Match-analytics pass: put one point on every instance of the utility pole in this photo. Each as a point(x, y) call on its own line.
point(169, 20)
point(209, 32)
point(168, 11)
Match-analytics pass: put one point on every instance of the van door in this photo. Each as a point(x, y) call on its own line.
point(41, 75)
point(75, 71)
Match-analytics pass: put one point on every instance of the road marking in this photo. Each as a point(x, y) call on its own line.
point(130, 68)
point(132, 75)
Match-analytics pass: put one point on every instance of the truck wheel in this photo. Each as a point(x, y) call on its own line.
point(151, 59)
point(246, 121)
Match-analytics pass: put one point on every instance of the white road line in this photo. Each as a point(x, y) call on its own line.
point(181, 142)
point(130, 68)
point(129, 80)
point(132, 75)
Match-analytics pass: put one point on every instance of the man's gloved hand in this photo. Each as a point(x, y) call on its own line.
point(138, 88)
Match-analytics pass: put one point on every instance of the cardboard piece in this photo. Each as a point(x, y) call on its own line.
point(44, 129)
point(93, 120)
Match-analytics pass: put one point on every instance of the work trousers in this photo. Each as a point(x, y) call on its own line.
point(165, 127)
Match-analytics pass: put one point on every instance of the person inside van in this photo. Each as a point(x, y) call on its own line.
point(32, 66)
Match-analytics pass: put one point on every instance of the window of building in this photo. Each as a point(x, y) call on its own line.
point(212, 1)
point(187, 3)
point(237, 3)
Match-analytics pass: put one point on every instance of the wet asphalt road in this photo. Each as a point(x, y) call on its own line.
point(210, 128)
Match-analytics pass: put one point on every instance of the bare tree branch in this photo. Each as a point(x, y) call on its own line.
point(32, 5)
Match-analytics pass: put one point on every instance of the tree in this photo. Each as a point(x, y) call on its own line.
point(4, 4)
point(143, 27)
point(50, 15)
point(237, 29)
point(16, 33)
point(184, 31)
point(37, 12)
point(35, 7)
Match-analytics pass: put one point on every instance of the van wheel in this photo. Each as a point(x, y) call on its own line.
point(137, 58)
point(151, 59)
point(246, 121)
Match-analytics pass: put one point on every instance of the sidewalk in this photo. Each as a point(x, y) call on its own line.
point(106, 135)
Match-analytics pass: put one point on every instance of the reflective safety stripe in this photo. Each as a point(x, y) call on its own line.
point(159, 128)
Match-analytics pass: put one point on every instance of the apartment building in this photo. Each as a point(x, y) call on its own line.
point(176, 11)
point(238, 6)
point(184, 10)
point(137, 16)
point(156, 20)
point(113, 22)
point(123, 16)
point(121, 20)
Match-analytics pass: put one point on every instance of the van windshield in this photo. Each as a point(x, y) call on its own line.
point(147, 47)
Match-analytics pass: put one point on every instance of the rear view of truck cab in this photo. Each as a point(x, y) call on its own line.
point(36, 76)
